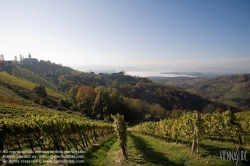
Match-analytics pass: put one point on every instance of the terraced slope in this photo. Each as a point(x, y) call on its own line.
point(24, 83)
point(32, 77)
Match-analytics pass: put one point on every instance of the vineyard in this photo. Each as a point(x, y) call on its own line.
point(31, 128)
point(148, 150)
point(54, 132)
point(32, 77)
point(12, 80)
point(6, 97)
point(171, 142)
point(191, 127)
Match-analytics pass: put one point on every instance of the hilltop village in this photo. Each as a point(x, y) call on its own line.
point(29, 61)
point(10, 63)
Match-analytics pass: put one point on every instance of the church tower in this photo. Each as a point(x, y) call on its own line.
point(1, 57)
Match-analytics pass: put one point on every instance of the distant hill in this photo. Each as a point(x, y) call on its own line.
point(233, 90)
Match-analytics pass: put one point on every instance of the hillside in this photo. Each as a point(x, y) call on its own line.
point(100, 95)
point(233, 90)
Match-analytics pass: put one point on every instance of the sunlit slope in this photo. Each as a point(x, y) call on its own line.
point(32, 77)
point(7, 96)
point(16, 110)
point(236, 92)
point(233, 90)
point(12, 80)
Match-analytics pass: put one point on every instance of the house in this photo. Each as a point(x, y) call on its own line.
point(8, 63)
point(121, 73)
point(114, 74)
point(92, 73)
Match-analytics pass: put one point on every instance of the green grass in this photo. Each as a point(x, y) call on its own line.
point(12, 80)
point(96, 155)
point(231, 94)
point(236, 87)
point(149, 151)
point(235, 92)
point(146, 150)
point(229, 102)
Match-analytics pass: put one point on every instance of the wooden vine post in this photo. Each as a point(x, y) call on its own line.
point(196, 134)
point(120, 127)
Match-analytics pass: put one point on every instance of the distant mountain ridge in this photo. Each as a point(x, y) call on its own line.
point(231, 89)
point(216, 71)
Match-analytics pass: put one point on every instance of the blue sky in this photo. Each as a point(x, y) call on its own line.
point(142, 33)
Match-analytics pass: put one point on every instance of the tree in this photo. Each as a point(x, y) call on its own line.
point(40, 91)
point(72, 93)
point(1, 60)
point(85, 96)
point(15, 61)
point(85, 93)
point(208, 109)
point(107, 101)
point(21, 58)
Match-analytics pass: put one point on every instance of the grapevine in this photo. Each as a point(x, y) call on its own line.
point(120, 127)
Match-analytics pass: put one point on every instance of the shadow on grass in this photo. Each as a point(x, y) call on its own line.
point(148, 153)
point(215, 151)
point(98, 151)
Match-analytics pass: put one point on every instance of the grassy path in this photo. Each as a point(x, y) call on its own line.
point(146, 150)
point(96, 154)
point(143, 150)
